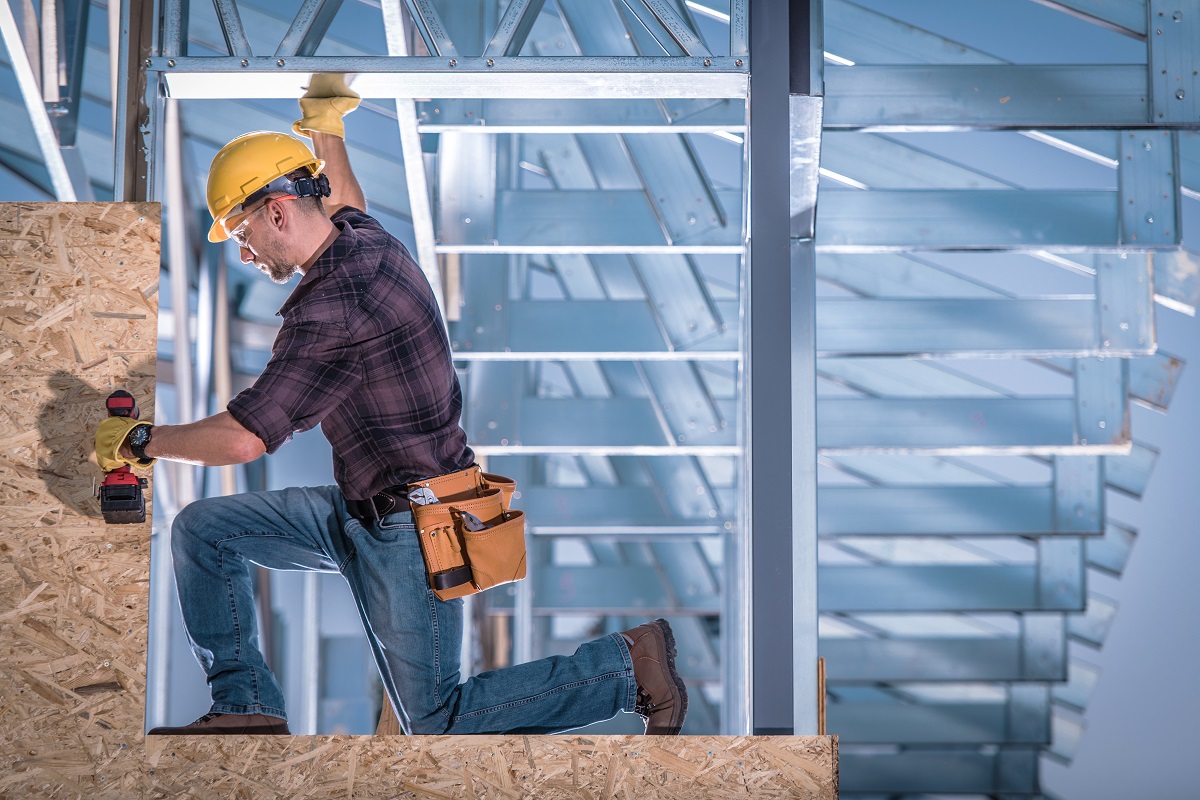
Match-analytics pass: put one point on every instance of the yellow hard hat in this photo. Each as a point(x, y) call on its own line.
point(247, 165)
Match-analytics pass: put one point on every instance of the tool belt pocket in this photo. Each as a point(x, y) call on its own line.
point(469, 538)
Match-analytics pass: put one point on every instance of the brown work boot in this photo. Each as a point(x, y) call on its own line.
point(661, 696)
point(213, 724)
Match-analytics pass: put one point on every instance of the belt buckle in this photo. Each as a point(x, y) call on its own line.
point(379, 501)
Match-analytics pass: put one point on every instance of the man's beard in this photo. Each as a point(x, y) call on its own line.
point(275, 265)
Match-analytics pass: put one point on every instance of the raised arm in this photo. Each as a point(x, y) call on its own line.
point(344, 187)
point(328, 99)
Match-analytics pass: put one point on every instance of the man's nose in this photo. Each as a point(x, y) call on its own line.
point(245, 254)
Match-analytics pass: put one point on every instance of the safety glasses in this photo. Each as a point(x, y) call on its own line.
point(241, 233)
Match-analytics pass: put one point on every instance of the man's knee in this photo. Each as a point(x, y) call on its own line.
point(190, 523)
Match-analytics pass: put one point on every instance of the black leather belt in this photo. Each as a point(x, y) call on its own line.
point(376, 508)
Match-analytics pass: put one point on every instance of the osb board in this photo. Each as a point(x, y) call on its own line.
point(438, 767)
point(78, 318)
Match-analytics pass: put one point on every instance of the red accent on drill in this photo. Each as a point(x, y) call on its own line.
point(121, 499)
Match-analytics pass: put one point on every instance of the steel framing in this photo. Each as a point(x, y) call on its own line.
point(653, 354)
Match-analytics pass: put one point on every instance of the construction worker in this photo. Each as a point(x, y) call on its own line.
point(362, 351)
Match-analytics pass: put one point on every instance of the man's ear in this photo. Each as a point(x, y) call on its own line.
point(280, 215)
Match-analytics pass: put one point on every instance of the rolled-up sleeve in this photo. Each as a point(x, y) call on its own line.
point(312, 370)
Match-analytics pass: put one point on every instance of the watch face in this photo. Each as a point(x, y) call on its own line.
point(139, 436)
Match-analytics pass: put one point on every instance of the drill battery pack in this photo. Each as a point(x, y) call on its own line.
point(121, 498)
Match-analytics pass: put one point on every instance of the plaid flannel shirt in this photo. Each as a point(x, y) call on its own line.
point(362, 351)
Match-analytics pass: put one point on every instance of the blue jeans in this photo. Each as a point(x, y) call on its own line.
point(415, 637)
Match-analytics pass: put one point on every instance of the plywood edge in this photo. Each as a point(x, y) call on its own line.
point(494, 766)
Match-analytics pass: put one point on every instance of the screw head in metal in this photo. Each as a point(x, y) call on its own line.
point(245, 62)
point(738, 63)
point(171, 62)
point(491, 63)
point(708, 62)
point(1177, 16)
point(147, 62)
point(1179, 94)
point(454, 62)
point(279, 62)
point(1150, 218)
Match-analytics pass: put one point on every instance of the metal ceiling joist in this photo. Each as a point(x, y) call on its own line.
point(894, 588)
point(938, 510)
point(663, 22)
point(232, 29)
point(577, 116)
point(1008, 770)
point(308, 28)
point(929, 426)
point(618, 330)
point(419, 77)
point(1174, 61)
point(1037, 654)
point(514, 28)
point(419, 201)
point(60, 177)
point(943, 723)
point(995, 219)
point(1127, 17)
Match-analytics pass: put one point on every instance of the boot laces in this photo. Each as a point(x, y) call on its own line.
point(644, 706)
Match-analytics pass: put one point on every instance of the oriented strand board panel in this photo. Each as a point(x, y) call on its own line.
point(78, 317)
point(549, 767)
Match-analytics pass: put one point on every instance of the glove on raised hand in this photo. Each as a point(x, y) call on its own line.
point(109, 437)
point(323, 105)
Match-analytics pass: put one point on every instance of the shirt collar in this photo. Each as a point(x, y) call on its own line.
point(335, 249)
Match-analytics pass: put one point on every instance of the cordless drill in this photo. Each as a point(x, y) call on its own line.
point(121, 499)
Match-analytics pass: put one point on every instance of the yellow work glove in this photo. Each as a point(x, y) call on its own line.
point(109, 437)
point(323, 105)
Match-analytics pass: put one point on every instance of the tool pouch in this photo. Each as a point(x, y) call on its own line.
point(469, 538)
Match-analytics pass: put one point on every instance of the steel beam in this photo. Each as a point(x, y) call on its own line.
point(1174, 79)
point(48, 144)
point(663, 22)
point(428, 22)
point(590, 221)
point(987, 97)
point(937, 426)
point(930, 219)
point(1127, 17)
point(861, 35)
point(514, 28)
point(232, 29)
point(936, 328)
point(1148, 180)
point(412, 154)
point(891, 588)
point(931, 426)
point(941, 723)
point(940, 510)
point(578, 116)
point(308, 28)
point(1037, 654)
point(1011, 770)
point(420, 77)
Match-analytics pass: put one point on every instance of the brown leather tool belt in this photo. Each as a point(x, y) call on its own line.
point(470, 539)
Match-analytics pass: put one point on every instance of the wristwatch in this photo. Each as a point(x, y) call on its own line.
point(138, 438)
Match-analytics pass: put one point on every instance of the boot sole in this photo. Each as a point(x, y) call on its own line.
point(669, 638)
